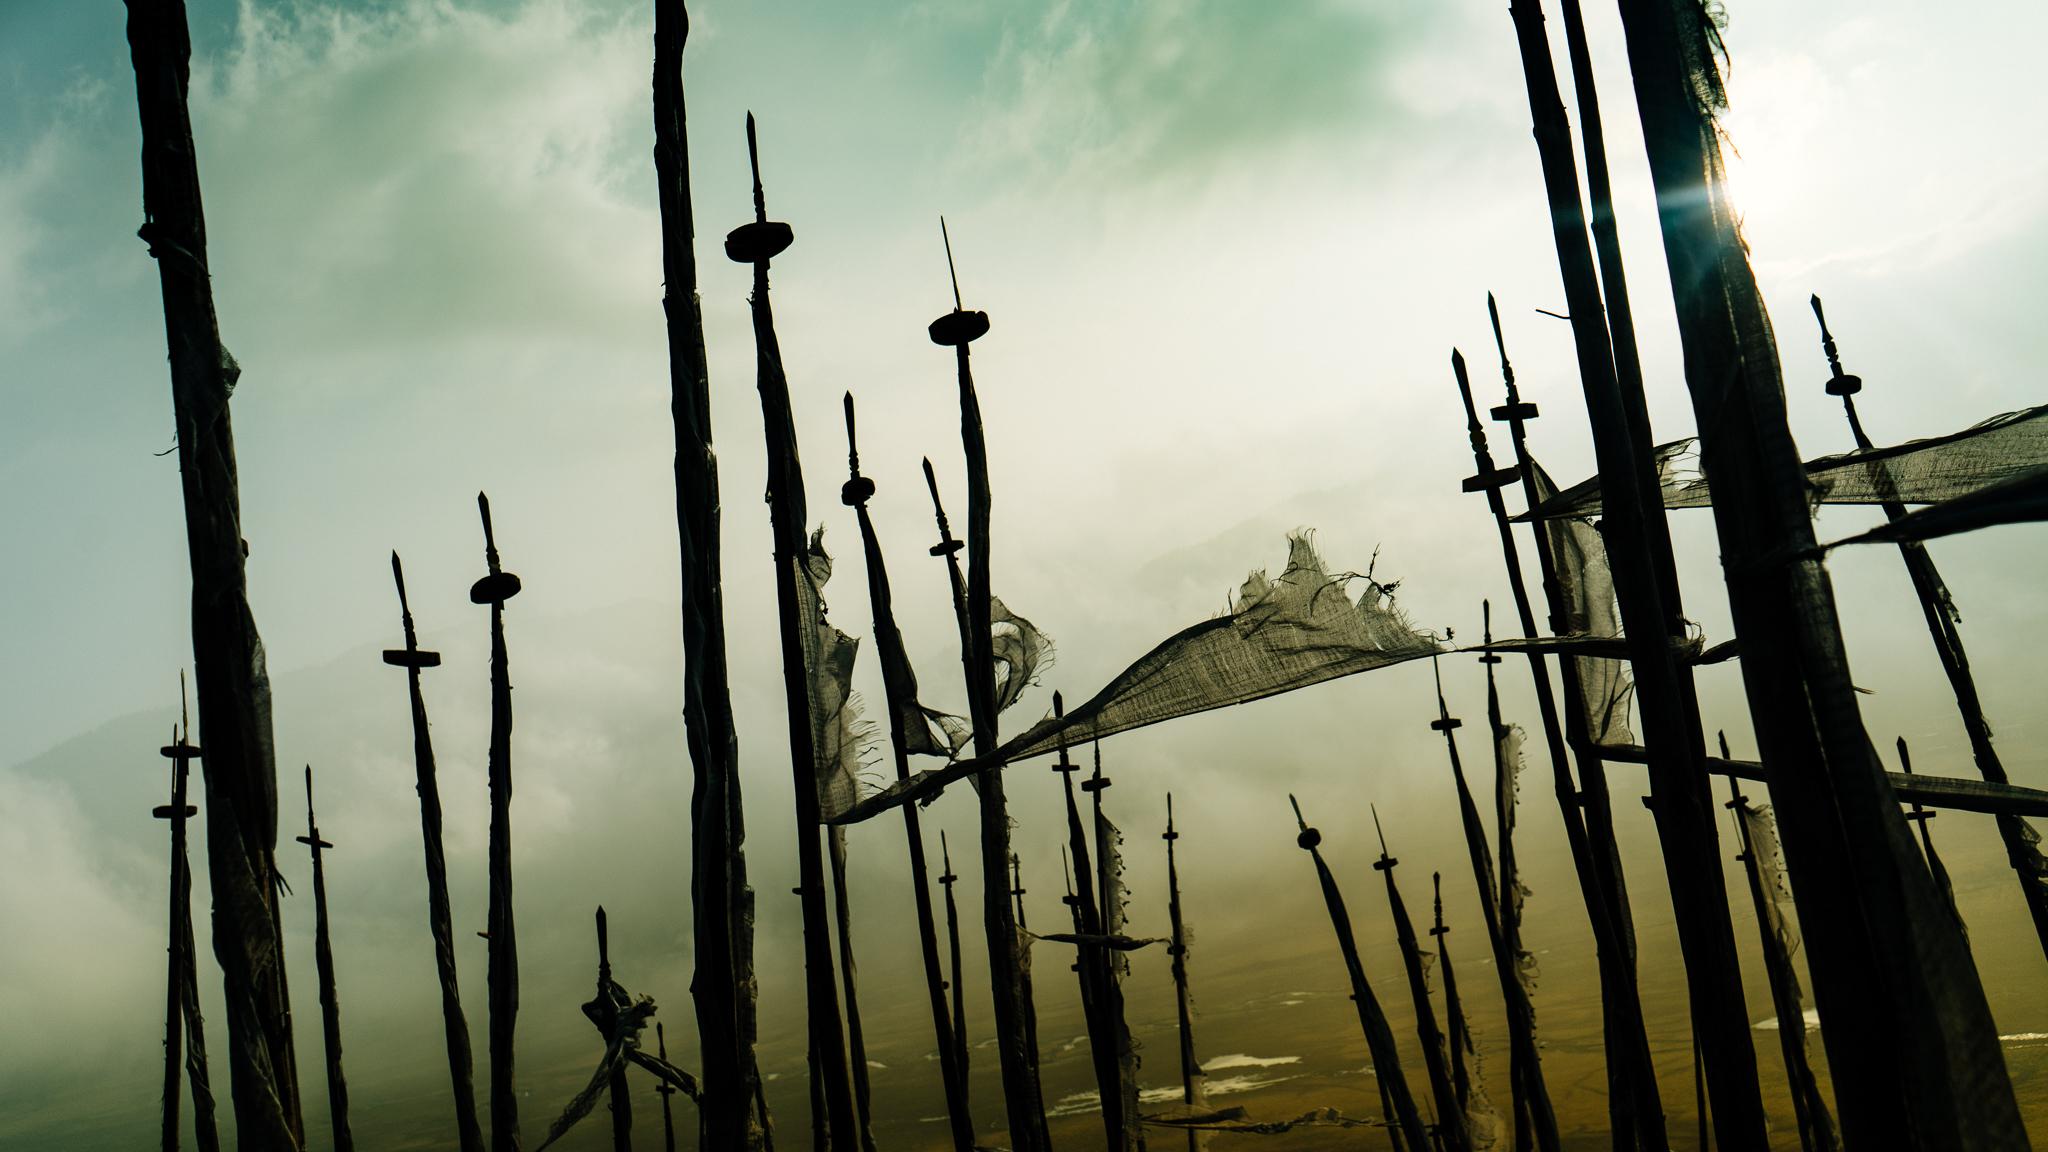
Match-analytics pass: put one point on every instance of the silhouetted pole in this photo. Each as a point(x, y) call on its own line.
point(413, 658)
point(1024, 969)
point(1177, 948)
point(899, 683)
point(856, 1042)
point(496, 587)
point(234, 685)
point(666, 1089)
point(722, 906)
point(1110, 966)
point(758, 243)
point(1639, 555)
point(946, 881)
point(1534, 1117)
point(603, 1011)
point(181, 755)
point(1404, 1123)
point(1091, 962)
point(1919, 816)
point(1912, 1048)
point(1809, 1107)
point(2022, 843)
point(323, 960)
point(181, 752)
point(1633, 1108)
point(1451, 1133)
point(957, 329)
point(1459, 1034)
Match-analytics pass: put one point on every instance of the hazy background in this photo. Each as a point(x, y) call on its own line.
point(1227, 249)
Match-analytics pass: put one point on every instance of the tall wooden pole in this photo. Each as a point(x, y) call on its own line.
point(412, 658)
point(757, 243)
point(856, 1040)
point(1404, 1123)
point(1944, 625)
point(496, 587)
point(946, 881)
point(1912, 1048)
point(180, 754)
point(1091, 962)
point(1191, 1073)
point(1639, 552)
point(1809, 1106)
point(1451, 1133)
point(1631, 1079)
point(1457, 1033)
point(899, 684)
point(722, 905)
point(666, 1090)
point(603, 1011)
point(234, 685)
point(957, 329)
point(1109, 906)
point(1919, 817)
point(323, 960)
point(1535, 1120)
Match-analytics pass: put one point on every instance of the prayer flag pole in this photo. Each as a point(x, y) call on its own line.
point(1451, 1134)
point(323, 960)
point(496, 587)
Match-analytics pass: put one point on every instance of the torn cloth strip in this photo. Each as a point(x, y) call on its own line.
point(1280, 634)
point(839, 739)
point(2019, 500)
point(1591, 611)
point(1925, 471)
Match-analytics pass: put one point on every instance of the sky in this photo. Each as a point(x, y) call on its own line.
point(1226, 249)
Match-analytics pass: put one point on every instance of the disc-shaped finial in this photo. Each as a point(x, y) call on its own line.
point(959, 328)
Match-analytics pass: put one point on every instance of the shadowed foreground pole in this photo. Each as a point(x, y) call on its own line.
point(1451, 1133)
point(1404, 1123)
point(856, 1042)
point(957, 329)
point(603, 1011)
point(722, 906)
point(496, 587)
point(1639, 553)
point(1459, 1034)
point(1633, 1108)
point(1191, 1073)
point(899, 684)
point(1090, 962)
point(1912, 1048)
point(454, 1025)
point(757, 243)
point(323, 961)
point(1919, 816)
point(234, 685)
point(1113, 964)
point(2022, 843)
point(181, 752)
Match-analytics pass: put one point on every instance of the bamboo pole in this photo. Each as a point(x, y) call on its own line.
point(1092, 964)
point(1635, 1111)
point(757, 243)
point(1912, 1047)
point(957, 329)
point(454, 1025)
point(1639, 553)
point(1404, 1123)
point(946, 881)
point(733, 1113)
point(1535, 1119)
point(856, 1041)
point(323, 960)
point(899, 685)
point(180, 754)
point(1191, 1074)
point(1809, 1106)
point(1450, 1132)
point(665, 1090)
point(2022, 843)
point(234, 685)
point(496, 587)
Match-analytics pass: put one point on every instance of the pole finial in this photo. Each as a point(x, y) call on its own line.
point(754, 163)
point(951, 272)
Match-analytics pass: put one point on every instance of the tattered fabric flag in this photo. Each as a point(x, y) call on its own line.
point(1508, 765)
point(1280, 634)
point(838, 735)
point(618, 1049)
point(1590, 610)
point(1020, 652)
point(1929, 471)
point(2021, 499)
